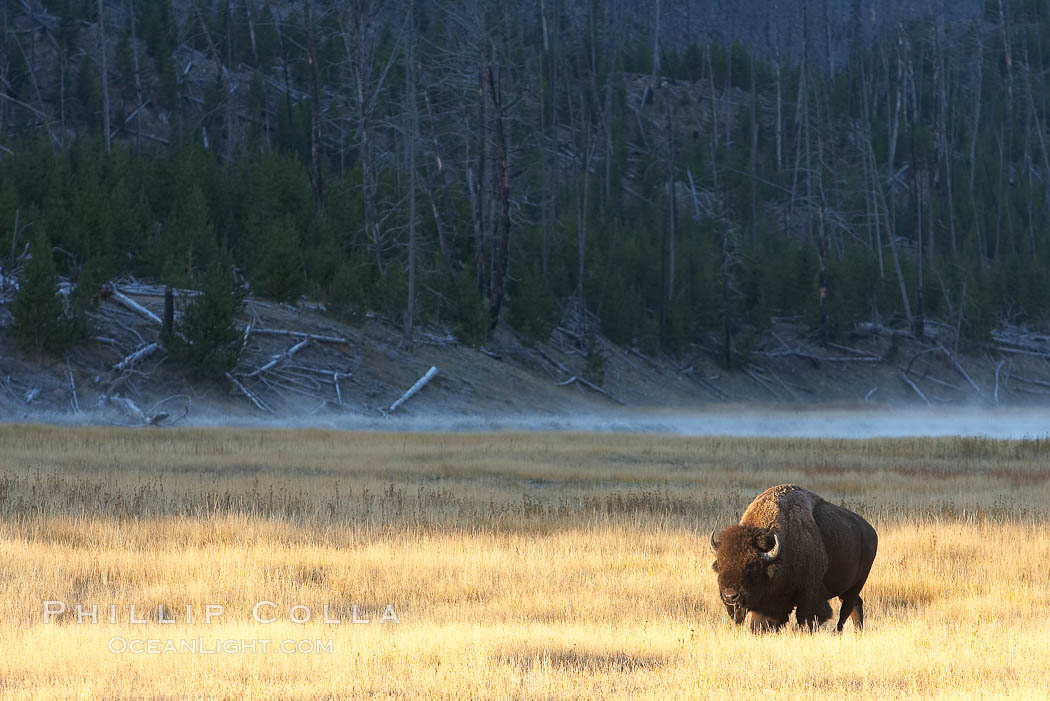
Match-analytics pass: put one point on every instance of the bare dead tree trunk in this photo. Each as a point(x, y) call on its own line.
point(411, 134)
point(501, 253)
point(582, 207)
point(5, 63)
point(1037, 125)
point(315, 107)
point(801, 121)
point(872, 174)
point(974, 128)
point(656, 41)
point(672, 199)
point(439, 221)
point(104, 69)
point(714, 97)
point(919, 322)
point(754, 155)
point(943, 128)
point(827, 41)
point(611, 51)
point(251, 33)
point(546, 75)
point(138, 72)
point(880, 201)
point(780, 99)
point(479, 183)
point(359, 46)
point(213, 49)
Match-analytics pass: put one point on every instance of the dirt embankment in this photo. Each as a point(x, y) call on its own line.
point(358, 371)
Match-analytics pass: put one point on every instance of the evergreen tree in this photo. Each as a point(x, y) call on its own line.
point(42, 320)
point(206, 339)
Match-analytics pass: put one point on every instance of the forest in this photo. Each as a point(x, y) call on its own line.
point(584, 163)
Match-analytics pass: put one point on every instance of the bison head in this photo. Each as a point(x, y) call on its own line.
point(746, 563)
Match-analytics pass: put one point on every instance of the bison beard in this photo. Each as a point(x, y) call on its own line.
point(793, 551)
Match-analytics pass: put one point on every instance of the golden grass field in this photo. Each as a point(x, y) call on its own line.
point(520, 565)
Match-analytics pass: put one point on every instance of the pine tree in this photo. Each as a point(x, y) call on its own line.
point(42, 321)
point(207, 340)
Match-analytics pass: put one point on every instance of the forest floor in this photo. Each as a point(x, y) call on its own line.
point(349, 373)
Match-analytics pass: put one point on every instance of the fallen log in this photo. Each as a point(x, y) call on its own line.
point(138, 355)
point(125, 405)
point(132, 305)
point(259, 403)
point(301, 334)
point(762, 383)
point(338, 392)
point(279, 357)
point(591, 385)
point(74, 402)
point(928, 377)
point(914, 387)
point(546, 356)
point(849, 349)
point(818, 358)
point(414, 388)
point(964, 373)
point(997, 369)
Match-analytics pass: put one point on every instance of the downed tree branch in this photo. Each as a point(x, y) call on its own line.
point(850, 349)
point(278, 358)
point(634, 351)
point(591, 385)
point(125, 405)
point(997, 369)
point(155, 418)
point(338, 392)
point(914, 387)
point(546, 356)
point(129, 303)
point(413, 389)
point(138, 355)
point(73, 388)
point(798, 353)
point(301, 334)
point(762, 383)
point(790, 392)
point(964, 373)
point(931, 378)
point(249, 394)
point(703, 382)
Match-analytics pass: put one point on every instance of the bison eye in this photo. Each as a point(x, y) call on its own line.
point(715, 567)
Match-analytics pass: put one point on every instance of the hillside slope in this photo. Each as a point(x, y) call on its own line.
point(358, 371)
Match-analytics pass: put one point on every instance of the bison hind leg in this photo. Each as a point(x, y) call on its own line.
point(857, 616)
point(852, 608)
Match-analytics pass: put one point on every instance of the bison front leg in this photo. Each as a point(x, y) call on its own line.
point(761, 623)
point(813, 610)
point(737, 613)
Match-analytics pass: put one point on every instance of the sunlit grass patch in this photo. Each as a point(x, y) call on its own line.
point(529, 566)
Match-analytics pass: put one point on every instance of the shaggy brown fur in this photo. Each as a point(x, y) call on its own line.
point(822, 551)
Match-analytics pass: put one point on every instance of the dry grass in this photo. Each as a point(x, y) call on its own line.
point(528, 566)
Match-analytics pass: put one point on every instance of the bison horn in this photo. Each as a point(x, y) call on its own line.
point(773, 552)
point(714, 542)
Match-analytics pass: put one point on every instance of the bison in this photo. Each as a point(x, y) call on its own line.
point(793, 550)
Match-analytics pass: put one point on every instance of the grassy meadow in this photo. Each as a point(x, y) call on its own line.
point(520, 565)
